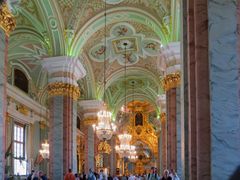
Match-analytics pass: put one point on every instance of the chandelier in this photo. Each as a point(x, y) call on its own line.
point(104, 128)
point(45, 150)
point(133, 155)
point(124, 149)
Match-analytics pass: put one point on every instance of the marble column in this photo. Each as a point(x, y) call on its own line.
point(223, 31)
point(171, 129)
point(171, 81)
point(89, 109)
point(198, 91)
point(7, 24)
point(63, 92)
point(163, 141)
point(161, 102)
point(113, 157)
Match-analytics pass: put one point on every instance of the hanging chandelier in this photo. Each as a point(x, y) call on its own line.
point(133, 155)
point(125, 148)
point(104, 128)
point(45, 150)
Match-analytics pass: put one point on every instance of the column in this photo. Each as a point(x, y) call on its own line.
point(224, 54)
point(198, 90)
point(63, 93)
point(171, 81)
point(161, 102)
point(89, 109)
point(7, 24)
point(113, 158)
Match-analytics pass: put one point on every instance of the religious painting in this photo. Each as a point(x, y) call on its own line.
point(139, 119)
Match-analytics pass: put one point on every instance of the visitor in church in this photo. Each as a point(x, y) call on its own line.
point(42, 176)
point(91, 175)
point(173, 175)
point(30, 175)
point(166, 175)
point(153, 175)
point(102, 175)
point(69, 175)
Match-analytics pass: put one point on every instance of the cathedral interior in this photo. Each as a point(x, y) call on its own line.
point(120, 86)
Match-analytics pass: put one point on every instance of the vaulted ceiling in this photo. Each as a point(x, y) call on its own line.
point(76, 28)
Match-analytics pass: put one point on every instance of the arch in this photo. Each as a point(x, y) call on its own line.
point(131, 71)
point(55, 27)
point(20, 80)
point(116, 15)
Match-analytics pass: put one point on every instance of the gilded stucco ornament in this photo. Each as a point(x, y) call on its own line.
point(104, 147)
point(64, 89)
point(7, 21)
point(171, 81)
point(163, 117)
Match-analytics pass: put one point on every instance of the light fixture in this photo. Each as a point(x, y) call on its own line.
point(45, 150)
point(133, 156)
point(104, 128)
point(125, 148)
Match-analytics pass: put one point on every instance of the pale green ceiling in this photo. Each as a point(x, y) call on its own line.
point(66, 27)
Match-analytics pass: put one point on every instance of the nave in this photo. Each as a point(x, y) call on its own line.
point(120, 89)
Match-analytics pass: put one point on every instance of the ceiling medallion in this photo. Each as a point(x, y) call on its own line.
point(135, 43)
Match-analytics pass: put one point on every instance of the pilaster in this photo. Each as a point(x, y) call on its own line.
point(63, 92)
point(7, 25)
point(89, 109)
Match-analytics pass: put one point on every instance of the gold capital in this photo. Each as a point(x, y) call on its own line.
point(171, 81)
point(64, 89)
point(163, 117)
point(7, 21)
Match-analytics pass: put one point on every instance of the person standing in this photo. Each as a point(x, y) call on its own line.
point(69, 175)
point(166, 175)
point(152, 175)
point(91, 175)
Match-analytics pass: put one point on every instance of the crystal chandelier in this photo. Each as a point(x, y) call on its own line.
point(45, 150)
point(133, 155)
point(104, 128)
point(124, 149)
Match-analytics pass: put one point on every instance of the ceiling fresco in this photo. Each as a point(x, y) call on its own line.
point(76, 28)
point(124, 44)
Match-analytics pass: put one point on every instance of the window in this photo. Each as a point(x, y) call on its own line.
point(20, 166)
point(20, 80)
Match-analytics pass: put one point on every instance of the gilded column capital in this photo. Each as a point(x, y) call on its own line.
point(64, 89)
point(163, 117)
point(170, 81)
point(90, 121)
point(7, 20)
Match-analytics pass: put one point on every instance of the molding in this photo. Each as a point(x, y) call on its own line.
point(24, 99)
point(64, 65)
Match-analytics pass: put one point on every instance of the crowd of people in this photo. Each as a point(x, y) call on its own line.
point(153, 175)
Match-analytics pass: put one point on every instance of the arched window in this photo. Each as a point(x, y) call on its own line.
point(20, 80)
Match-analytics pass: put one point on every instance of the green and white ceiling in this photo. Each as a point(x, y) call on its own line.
point(48, 28)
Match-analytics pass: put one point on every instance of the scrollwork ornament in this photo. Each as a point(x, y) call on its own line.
point(64, 89)
point(7, 20)
point(171, 81)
